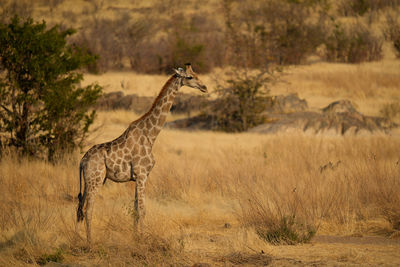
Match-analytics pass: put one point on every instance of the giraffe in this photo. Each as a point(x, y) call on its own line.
point(129, 157)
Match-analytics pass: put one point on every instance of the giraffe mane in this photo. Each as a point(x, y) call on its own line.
point(165, 87)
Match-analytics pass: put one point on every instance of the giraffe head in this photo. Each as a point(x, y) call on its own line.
point(190, 78)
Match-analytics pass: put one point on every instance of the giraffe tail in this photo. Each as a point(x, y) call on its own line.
point(79, 213)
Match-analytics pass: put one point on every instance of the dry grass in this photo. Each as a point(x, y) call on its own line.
point(134, 83)
point(368, 85)
point(201, 182)
point(209, 191)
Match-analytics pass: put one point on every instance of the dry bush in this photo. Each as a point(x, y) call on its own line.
point(390, 111)
point(296, 37)
point(277, 219)
point(115, 40)
point(52, 4)
point(182, 38)
point(256, 33)
point(392, 31)
point(352, 44)
point(361, 7)
point(23, 9)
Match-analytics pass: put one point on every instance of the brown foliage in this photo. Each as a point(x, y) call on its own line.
point(392, 31)
point(353, 44)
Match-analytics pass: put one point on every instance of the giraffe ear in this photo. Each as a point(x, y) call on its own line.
point(188, 67)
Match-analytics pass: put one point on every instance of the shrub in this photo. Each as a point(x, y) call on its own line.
point(390, 111)
point(281, 31)
point(55, 257)
point(278, 219)
point(242, 100)
point(42, 107)
point(392, 32)
point(22, 8)
point(285, 230)
point(297, 36)
point(353, 44)
point(361, 7)
point(108, 38)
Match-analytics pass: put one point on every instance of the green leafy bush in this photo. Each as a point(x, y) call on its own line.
point(43, 109)
point(241, 100)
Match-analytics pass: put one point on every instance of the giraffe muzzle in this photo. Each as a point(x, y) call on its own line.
point(203, 89)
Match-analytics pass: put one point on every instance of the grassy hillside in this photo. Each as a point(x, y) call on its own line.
point(154, 36)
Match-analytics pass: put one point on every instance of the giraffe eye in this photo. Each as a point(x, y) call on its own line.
point(189, 77)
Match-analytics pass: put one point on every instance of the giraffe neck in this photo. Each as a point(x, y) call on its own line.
point(155, 118)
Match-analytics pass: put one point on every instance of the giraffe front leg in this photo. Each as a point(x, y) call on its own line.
point(140, 209)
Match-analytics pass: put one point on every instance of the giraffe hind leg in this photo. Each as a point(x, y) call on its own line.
point(88, 210)
point(93, 182)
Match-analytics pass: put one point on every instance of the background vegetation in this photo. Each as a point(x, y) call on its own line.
point(154, 36)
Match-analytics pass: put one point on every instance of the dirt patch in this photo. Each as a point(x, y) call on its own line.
point(240, 258)
point(364, 240)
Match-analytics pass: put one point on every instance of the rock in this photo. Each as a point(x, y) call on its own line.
point(287, 104)
point(338, 118)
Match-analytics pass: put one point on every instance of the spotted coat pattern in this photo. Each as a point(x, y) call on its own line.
point(129, 157)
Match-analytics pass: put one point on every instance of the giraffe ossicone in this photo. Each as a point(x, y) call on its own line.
point(129, 157)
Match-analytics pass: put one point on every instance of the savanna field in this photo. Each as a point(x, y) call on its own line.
point(209, 193)
point(213, 197)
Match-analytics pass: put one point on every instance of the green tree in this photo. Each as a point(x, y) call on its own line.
point(43, 108)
